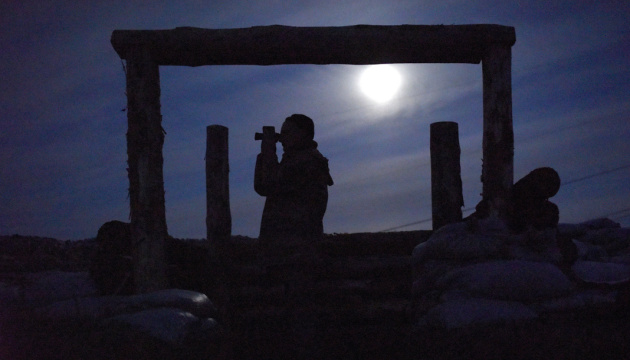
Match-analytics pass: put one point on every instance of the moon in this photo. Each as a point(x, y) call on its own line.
point(380, 83)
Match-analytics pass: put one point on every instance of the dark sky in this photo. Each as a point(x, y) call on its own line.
point(62, 89)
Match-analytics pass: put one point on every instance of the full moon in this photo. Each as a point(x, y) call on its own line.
point(380, 82)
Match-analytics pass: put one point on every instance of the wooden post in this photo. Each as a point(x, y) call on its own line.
point(497, 173)
point(446, 181)
point(145, 138)
point(275, 45)
point(218, 217)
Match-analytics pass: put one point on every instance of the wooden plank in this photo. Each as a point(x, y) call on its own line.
point(359, 44)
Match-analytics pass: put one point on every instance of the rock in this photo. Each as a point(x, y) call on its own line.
point(514, 280)
point(465, 312)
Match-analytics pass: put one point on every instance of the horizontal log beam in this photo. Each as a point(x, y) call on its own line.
point(276, 44)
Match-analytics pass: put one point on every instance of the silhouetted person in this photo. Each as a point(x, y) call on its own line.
point(296, 187)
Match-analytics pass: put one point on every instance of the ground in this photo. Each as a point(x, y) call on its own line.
point(363, 318)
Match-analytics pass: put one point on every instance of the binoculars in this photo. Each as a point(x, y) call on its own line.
point(269, 132)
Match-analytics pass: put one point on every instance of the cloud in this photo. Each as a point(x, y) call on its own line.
point(63, 145)
point(371, 148)
point(378, 190)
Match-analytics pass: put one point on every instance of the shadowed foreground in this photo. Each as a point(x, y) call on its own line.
point(351, 301)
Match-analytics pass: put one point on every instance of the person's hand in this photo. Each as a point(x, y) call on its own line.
point(268, 146)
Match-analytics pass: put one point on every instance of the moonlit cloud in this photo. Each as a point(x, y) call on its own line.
point(63, 146)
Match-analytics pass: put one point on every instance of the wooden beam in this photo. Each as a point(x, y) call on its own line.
point(497, 172)
point(359, 44)
point(145, 138)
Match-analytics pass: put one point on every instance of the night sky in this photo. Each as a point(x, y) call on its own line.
point(62, 125)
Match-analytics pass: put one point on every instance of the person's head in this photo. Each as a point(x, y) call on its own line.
point(297, 130)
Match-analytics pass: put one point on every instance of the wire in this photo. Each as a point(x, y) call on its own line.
point(596, 174)
point(417, 222)
point(564, 184)
point(407, 225)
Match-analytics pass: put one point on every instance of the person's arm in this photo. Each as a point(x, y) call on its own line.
point(266, 175)
point(267, 167)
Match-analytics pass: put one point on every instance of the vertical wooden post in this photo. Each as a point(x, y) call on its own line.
point(497, 173)
point(145, 138)
point(218, 216)
point(446, 182)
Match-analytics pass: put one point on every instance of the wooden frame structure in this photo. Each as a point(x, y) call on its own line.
point(146, 50)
